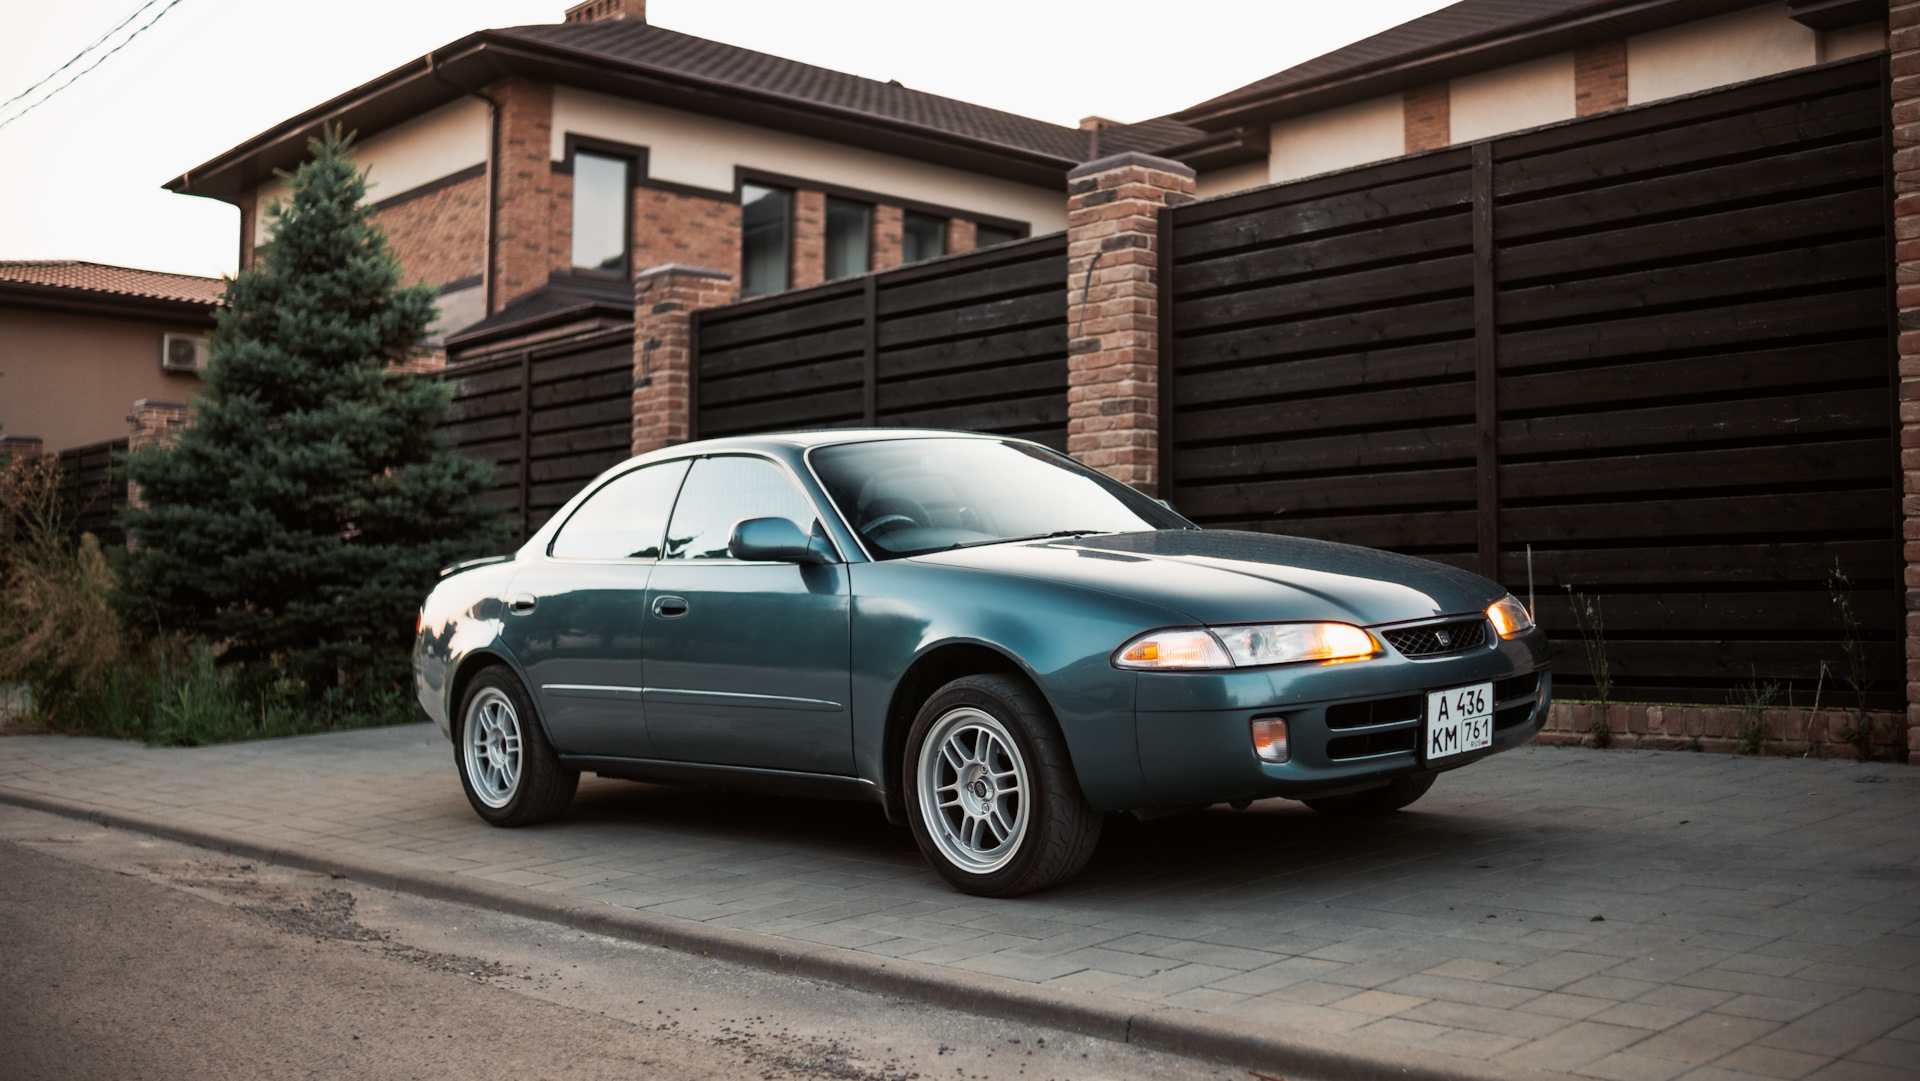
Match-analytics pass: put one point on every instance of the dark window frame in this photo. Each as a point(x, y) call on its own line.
point(636, 160)
point(746, 175)
point(826, 238)
point(793, 207)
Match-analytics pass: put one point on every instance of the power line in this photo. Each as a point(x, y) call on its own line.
point(78, 55)
point(103, 58)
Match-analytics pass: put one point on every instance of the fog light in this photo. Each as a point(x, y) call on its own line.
point(1270, 739)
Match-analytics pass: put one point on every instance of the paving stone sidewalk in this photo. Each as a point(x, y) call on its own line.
point(1627, 915)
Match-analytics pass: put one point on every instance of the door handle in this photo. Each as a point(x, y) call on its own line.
point(669, 607)
point(521, 604)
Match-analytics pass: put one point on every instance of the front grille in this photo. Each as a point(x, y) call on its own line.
point(1395, 739)
point(1517, 687)
point(1438, 638)
point(1378, 711)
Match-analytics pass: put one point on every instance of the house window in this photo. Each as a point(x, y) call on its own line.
point(922, 236)
point(988, 236)
point(849, 236)
point(766, 238)
point(600, 204)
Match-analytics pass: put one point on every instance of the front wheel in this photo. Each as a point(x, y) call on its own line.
point(991, 794)
point(1375, 801)
point(509, 770)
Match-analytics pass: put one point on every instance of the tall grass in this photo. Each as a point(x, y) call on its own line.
point(62, 636)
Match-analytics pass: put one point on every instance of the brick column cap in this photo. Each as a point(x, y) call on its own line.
point(684, 270)
point(158, 403)
point(1131, 157)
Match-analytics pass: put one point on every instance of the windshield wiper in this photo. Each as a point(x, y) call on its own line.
point(1037, 536)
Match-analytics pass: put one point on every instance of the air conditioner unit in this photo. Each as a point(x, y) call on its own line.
point(183, 352)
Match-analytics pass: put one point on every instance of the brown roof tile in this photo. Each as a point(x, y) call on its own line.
point(116, 280)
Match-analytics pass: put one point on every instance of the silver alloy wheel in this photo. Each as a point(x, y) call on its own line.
point(973, 790)
point(491, 739)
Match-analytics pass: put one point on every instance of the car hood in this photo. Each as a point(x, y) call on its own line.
point(1229, 576)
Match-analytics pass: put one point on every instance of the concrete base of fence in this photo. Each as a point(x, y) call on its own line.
point(1724, 730)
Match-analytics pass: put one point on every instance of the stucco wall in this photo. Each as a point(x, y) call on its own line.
point(688, 148)
point(420, 151)
point(1350, 135)
point(1232, 179)
point(70, 378)
point(1743, 44)
point(1511, 98)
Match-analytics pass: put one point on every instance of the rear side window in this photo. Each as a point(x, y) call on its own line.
point(625, 519)
point(722, 492)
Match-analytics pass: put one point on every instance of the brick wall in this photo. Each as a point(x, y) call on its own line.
point(1797, 732)
point(1904, 41)
point(1428, 117)
point(888, 247)
point(532, 219)
point(1599, 78)
point(669, 227)
point(1113, 344)
point(809, 238)
point(664, 299)
point(962, 235)
point(441, 236)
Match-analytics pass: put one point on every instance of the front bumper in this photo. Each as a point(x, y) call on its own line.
point(1350, 726)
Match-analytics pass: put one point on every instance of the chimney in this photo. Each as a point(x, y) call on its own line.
point(1097, 123)
point(594, 11)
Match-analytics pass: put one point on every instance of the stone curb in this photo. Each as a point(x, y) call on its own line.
point(1163, 1028)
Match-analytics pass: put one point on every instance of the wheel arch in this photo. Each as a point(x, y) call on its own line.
point(929, 672)
point(471, 666)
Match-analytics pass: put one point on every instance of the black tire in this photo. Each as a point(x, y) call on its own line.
point(1375, 801)
point(541, 788)
point(1059, 829)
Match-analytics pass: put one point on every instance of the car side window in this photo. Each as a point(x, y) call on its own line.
point(625, 519)
point(720, 493)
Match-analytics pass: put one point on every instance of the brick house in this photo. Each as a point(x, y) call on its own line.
point(558, 158)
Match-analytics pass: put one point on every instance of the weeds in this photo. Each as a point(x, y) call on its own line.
point(1754, 698)
point(1859, 730)
point(62, 638)
point(1593, 643)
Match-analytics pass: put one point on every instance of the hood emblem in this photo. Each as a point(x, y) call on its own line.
point(1446, 637)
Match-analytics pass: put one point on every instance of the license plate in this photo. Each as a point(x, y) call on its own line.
point(1459, 720)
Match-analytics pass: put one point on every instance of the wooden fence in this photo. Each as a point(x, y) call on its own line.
point(975, 342)
point(1653, 346)
point(93, 491)
point(550, 418)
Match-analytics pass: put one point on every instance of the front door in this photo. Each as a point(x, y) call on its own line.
point(576, 614)
point(747, 664)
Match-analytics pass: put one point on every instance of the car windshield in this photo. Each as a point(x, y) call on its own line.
point(909, 496)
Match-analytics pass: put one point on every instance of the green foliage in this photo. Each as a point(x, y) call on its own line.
point(301, 518)
point(58, 627)
point(1593, 643)
point(1853, 670)
point(1754, 697)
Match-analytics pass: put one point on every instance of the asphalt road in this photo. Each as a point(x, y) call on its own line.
point(124, 957)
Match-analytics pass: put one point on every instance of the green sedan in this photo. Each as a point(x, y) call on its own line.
point(991, 641)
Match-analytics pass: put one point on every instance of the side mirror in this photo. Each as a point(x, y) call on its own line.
point(774, 540)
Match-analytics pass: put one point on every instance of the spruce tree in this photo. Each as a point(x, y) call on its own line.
point(302, 517)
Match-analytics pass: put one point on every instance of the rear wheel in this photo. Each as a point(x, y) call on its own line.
point(1375, 801)
point(509, 771)
point(990, 792)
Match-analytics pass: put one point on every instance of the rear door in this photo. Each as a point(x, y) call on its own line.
point(746, 663)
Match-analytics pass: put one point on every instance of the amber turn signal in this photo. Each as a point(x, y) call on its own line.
point(1270, 739)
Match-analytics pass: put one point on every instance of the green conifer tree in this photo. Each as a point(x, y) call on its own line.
point(302, 517)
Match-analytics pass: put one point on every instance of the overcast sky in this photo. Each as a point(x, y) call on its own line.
point(80, 176)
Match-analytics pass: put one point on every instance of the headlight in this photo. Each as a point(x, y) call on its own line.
point(1509, 617)
point(1246, 646)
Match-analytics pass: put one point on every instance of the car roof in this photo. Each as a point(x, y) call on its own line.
point(807, 440)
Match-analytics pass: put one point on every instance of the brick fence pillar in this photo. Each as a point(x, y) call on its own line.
point(21, 446)
point(153, 423)
point(664, 300)
point(1113, 303)
point(1903, 27)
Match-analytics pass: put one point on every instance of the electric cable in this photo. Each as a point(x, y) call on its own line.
point(77, 56)
point(103, 59)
